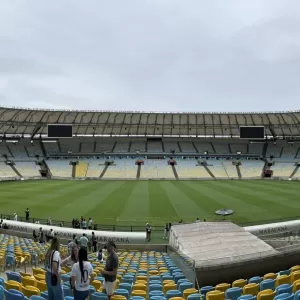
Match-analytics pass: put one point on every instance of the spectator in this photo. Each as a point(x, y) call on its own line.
point(167, 229)
point(90, 224)
point(100, 256)
point(73, 223)
point(51, 236)
point(53, 267)
point(110, 270)
point(148, 232)
point(197, 220)
point(5, 226)
point(15, 217)
point(35, 236)
point(83, 224)
point(27, 213)
point(84, 242)
point(94, 242)
point(61, 224)
point(73, 258)
point(75, 239)
point(42, 236)
point(81, 273)
point(49, 222)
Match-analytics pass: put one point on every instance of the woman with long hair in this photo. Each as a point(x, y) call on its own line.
point(53, 267)
point(73, 258)
point(82, 273)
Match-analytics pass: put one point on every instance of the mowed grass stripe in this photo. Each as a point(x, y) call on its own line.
point(113, 204)
point(87, 203)
point(188, 201)
point(268, 206)
point(137, 206)
point(225, 199)
point(160, 206)
point(270, 195)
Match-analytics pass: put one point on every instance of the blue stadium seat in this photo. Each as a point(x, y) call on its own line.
point(267, 284)
point(233, 293)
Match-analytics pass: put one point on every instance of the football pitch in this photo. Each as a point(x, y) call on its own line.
point(133, 203)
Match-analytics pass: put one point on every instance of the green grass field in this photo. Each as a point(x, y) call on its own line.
point(158, 202)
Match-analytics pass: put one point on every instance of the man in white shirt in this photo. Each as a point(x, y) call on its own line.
point(84, 242)
point(15, 217)
point(90, 224)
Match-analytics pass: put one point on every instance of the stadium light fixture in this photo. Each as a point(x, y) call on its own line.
point(11, 141)
point(49, 141)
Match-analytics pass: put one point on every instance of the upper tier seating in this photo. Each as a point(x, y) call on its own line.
point(230, 169)
point(122, 147)
point(187, 147)
point(154, 147)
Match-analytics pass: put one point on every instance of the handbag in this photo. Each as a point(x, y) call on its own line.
point(54, 279)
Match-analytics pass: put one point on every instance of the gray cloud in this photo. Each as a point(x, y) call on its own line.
point(150, 55)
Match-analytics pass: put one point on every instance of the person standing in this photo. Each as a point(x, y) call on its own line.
point(84, 242)
point(15, 217)
point(94, 242)
point(90, 223)
point(27, 213)
point(111, 269)
point(53, 268)
point(148, 232)
point(72, 258)
point(42, 236)
point(82, 272)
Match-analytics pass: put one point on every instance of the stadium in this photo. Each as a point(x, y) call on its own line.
point(227, 182)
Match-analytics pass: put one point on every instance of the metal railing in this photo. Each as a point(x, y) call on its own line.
point(103, 227)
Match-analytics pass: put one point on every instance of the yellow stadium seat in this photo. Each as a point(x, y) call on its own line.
point(251, 289)
point(96, 284)
point(239, 283)
point(139, 293)
point(37, 271)
point(141, 287)
point(153, 272)
point(169, 287)
point(215, 295)
point(295, 276)
point(41, 285)
point(29, 291)
point(168, 282)
point(222, 287)
point(28, 281)
point(296, 286)
point(270, 276)
point(188, 292)
point(23, 274)
point(295, 268)
point(40, 277)
point(141, 277)
point(11, 284)
point(266, 295)
point(117, 297)
point(176, 298)
point(282, 279)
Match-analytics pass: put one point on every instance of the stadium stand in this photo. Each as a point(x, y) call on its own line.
point(217, 168)
point(156, 169)
point(6, 171)
point(187, 147)
point(95, 167)
point(189, 168)
point(28, 168)
point(154, 146)
point(122, 147)
point(60, 168)
point(81, 169)
point(230, 169)
point(121, 168)
point(281, 169)
point(251, 168)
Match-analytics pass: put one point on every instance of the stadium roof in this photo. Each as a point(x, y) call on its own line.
point(34, 121)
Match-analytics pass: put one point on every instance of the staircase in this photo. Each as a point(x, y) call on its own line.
point(138, 172)
point(209, 171)
point(175, 172)
point(238, 171)
point(81, 169)
point(295, 171)
point(15, 170)
point(104, 171)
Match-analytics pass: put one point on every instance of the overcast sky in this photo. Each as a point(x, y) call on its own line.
point(150, 55)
